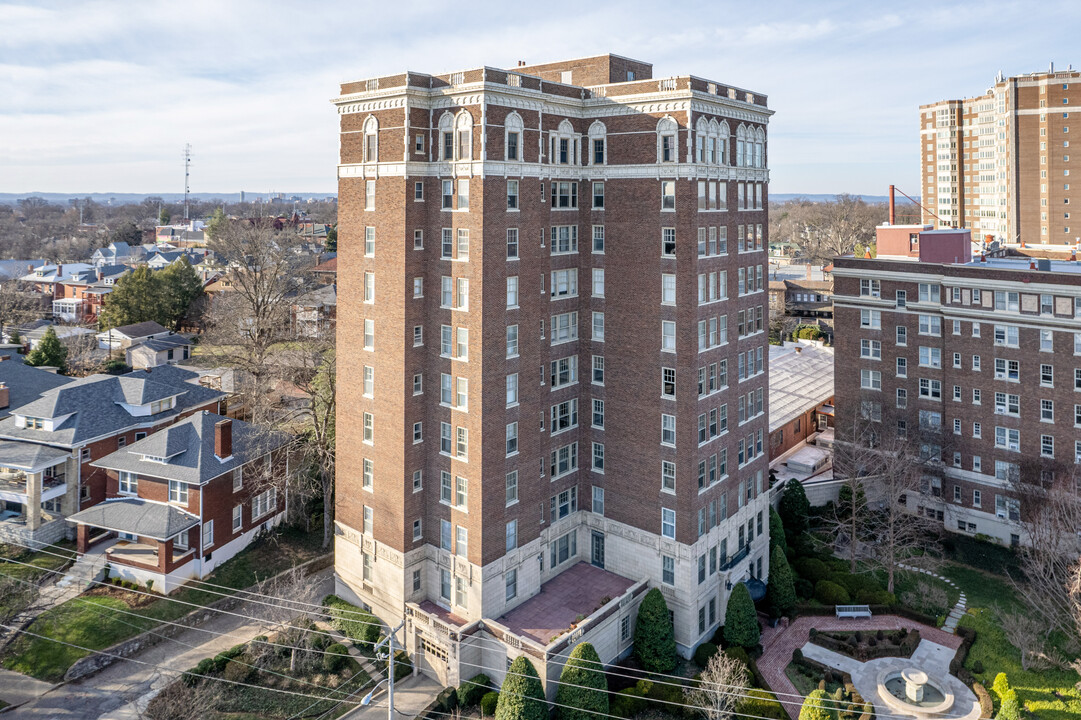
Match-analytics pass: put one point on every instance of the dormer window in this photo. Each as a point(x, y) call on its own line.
point(34, 423)
point(162, 405)
point(154, 458)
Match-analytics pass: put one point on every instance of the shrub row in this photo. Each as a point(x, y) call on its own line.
point(852, 647)
point(360, 626)
point(472, 690)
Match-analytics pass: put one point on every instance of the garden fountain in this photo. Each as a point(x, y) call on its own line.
point(912, 692)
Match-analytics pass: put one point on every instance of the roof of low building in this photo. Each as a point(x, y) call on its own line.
point(326, 295)
point(800, 379)
point(137, 330)
point(188, 450)
point(138, 516)
point(167, 342)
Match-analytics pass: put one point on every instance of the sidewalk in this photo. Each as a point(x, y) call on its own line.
point(411, 695)
point(16, 689)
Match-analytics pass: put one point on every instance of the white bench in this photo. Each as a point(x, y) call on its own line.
point(853, 611)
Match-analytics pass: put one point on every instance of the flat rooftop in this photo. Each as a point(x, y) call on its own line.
point(576, 591)
point(1025, 263)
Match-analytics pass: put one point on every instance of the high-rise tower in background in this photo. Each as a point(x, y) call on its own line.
point(552, 284)
point(1000, 163)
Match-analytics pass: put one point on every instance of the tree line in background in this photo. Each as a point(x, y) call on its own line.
point(824, 230)
point(70, 232)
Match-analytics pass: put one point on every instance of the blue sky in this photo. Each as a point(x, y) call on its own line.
point(101, 96)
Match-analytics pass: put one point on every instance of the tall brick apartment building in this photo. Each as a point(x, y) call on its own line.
point(987, 349)
point(1000, 163)
point(553, 281)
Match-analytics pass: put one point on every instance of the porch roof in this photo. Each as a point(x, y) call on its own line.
point(140, 517)
point(29, 456)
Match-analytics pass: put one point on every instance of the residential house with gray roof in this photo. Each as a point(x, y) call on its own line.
point(85, 420)
point(186, 499)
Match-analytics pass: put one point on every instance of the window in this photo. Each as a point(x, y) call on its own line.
point(598, 282)
point(563, 460)
point(598, 457)
point(367, 474)
point(564, 327)
point(564, 239)
point(598, 327)
point(870, 379)
point(178, 492)
point(668, 430)
point(512, 389)
point(668, 476)
point(511, 584)
point(512, 535)
point(930, 357)
point(668, 242)
point(264, 503)
point(512, 291)
point(512, 195)
point(418, 335)
point(930, 293)
point(512, 243)
point(512, 488)
point(129, 482)
point(871, 319)
point(563, 548)
point(668, 195)
point(598, 239)
point(902, 335)
point(564, 283)
point(1008, 438)
point(418, 432)
point(930, 325)
point(369, 195)
point(598, 500)
point(598, 196)
point(930, 389)
point(238, 518)
point(668, 336)
point(668, 523)
point(368, 422)
point(564, 415)
point(564, 195)
point(871, 288)
point(1007, 369)
point(871, 349)
point(668, 289)
point(902, 367)
point(668, 570)
point(668, 382)
point(1047, 375)
point(208, 534)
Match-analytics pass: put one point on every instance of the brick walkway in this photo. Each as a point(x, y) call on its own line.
point(779, 643)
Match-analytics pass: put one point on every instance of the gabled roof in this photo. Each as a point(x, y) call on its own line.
point(326, 295)
point(188, 449)
point(92, 404)
point(137, 330)
point(327, 266)
point(140, 517)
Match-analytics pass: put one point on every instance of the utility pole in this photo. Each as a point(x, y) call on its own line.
point(187, 166)
point(389, 640)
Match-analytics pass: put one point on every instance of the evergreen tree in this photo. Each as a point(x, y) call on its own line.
point(781, 589)
point(817, 706)
point(794, 508)
point(776, 531)
point(583, 689)
point(521, 697)
point(216, 222)
point(1010, 708)
point(136, 297)
point(164, 216)
point(179, 286)
point(50, 352)
point(654, 637)
point(331, 244)
point(740, 620)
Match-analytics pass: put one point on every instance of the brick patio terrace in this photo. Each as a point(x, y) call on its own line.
point(576, 591)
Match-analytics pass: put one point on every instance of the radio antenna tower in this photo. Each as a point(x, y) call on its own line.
point(187, 173)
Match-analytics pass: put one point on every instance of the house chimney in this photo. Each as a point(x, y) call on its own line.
point(223, 438)
point(893, 214)
point(59, 271)
point(5, 395)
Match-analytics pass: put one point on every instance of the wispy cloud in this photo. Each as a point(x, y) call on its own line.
point(102, 95)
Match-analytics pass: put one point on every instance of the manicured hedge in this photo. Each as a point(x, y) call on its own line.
point(472, 690)
point(360, 626)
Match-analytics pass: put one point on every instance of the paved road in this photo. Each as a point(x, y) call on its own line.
point(113, 693)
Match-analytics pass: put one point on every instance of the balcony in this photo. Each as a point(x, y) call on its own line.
point(735, 559)
point(143, 554)
point(15, 486)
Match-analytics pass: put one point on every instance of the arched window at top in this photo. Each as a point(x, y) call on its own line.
point(598, 143)
point(760, 148)
point(666, 140)
point(463, 130)
point(446, 137)
point(723, 134)
point(563, 145)
point(741, 146)
point(371, 139)
point(514, 127)
point(701, 133)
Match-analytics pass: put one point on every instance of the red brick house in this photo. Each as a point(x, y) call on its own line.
point(186, 499)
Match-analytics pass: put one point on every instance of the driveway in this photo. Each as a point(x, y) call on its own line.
point(114, 693)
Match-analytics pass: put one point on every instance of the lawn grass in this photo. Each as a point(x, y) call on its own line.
point(29, 567)
point(1046, 694)
point(87, 621)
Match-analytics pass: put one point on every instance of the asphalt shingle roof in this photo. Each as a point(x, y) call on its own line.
point(138, 330)
point(164, 343)
point(188, 449)
point(30, 456)
point(26, 383)
point(93, 404)
point(137, 516)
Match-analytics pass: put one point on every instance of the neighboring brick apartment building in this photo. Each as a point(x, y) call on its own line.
point(553, 281)
point(985, 349)
point(1000, 163)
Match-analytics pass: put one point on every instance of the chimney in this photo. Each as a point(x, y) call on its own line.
point(5, 395)
point(59, 271)
point(893, 214)
point(223, 439)
point(808, 271)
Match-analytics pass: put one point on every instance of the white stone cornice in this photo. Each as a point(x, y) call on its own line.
point(680, 171)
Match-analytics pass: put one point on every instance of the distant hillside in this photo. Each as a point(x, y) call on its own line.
point(823, 197)
point(132, 198)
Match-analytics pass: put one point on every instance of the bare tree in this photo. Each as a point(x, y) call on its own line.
point(885, 465)
point(252, 318)
point(1029, 635)
point(316, 436)
point(1047, 504)
point(292, 593)
point(720, 688)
